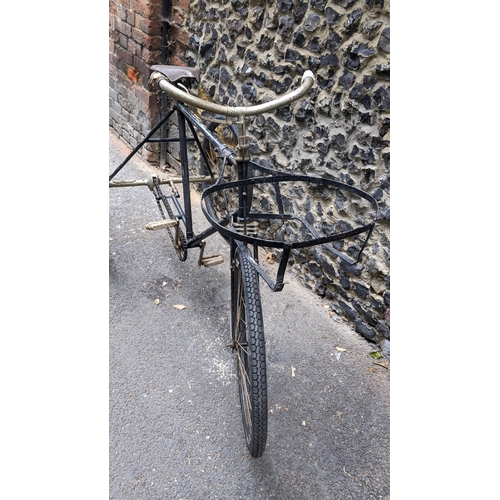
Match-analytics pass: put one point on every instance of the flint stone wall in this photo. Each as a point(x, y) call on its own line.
point(250, 51)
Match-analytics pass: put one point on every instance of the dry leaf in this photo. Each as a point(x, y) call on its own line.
point(271, 257)
point(180, 306)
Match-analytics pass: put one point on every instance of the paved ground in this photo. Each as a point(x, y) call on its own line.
point(175, 424)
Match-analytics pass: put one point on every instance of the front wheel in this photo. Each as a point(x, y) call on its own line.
point(249, 347)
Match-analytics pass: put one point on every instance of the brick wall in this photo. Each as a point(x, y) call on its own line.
point(177, 33)
point(135, 44)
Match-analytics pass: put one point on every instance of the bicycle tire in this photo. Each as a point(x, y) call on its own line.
point(249, 348)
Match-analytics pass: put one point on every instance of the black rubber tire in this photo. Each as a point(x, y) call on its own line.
point(249, 347)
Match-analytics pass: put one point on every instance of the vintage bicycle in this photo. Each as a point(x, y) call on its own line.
point(251, 204)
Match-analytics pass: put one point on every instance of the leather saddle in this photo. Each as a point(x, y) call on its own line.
point(175, 73)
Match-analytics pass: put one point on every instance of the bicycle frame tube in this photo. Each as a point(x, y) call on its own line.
point(144, 141)
point(185, 116)
point(222, 148)
point(240, 161)
point(188, 220)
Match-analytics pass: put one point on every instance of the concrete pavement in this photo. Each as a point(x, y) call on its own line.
point(175, 423)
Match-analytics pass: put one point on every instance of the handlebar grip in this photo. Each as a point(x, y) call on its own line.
point(306, 83)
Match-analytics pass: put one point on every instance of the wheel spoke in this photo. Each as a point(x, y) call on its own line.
point(245, 392)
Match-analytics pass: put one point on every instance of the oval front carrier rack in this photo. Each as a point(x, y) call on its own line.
point(274, 209)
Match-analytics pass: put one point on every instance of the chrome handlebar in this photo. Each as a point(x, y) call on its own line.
point(306, 83)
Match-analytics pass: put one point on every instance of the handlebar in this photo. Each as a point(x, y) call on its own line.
point(306, 83)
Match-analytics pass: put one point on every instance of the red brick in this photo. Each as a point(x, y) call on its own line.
point(133, 74)
point(131, 17)
point(143, 106)
point(156, 42)
point(143, 95)
point(141, 38)
point(182, 4)
point(141, 66)
point(121, 12)
point(176, 61)
point(125, 3)
point(124, 56)
point(123, 41)
point(156, 11)
point(180, 35)
point(141, 8)
point(150, 57)
point(123, 27)
point(134, 48)
point(148, 26)
point(177, 16)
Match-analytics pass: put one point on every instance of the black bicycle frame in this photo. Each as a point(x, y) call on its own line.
point(184, 116)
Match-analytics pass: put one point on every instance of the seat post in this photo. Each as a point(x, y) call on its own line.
point(185, 174)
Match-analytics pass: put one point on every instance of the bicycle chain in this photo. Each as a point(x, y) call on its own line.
point(181, 246)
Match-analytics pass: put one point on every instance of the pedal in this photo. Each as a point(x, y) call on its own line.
point(161, 224)
point(211, 260)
